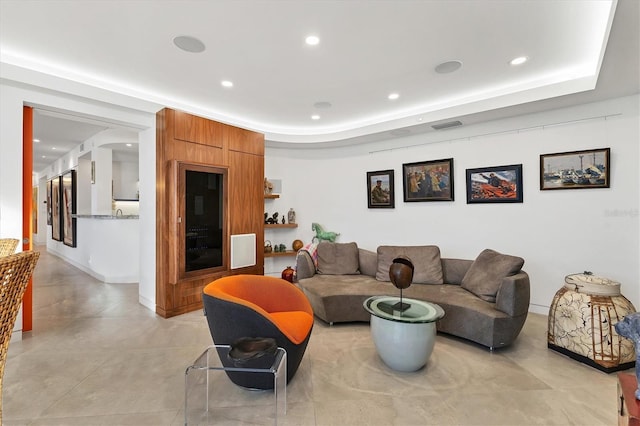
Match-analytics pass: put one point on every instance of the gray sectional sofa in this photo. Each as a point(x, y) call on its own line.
point(485, 300)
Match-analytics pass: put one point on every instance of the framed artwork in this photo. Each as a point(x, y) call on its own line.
point(380, 193)
point(34, 210)
point(575, 170)
point(49, 200)
point(501, 184)
point(428, 180)
point(56, 221)
point(68, 204)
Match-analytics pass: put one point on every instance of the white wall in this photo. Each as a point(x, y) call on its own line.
point(556, 232)
point(125, 180)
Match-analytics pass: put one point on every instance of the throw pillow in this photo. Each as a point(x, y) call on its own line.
point(338, 258)
point(485, 275)
point(426, 262)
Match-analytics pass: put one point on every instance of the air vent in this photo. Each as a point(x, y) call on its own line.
point(82, 147)
point(447, 125)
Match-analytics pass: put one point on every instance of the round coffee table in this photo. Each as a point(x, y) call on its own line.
point(403, 338)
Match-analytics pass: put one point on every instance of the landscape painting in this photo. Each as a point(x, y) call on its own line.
point(575, 170)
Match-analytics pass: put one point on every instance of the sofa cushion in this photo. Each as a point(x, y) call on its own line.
point(425, 259)
point(485, 275)
point(338, 258)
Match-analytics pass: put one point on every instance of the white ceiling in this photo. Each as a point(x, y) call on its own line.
point(577, 53)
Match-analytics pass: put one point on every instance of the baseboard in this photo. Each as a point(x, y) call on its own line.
point(588, 361)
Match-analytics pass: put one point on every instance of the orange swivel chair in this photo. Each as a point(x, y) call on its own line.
point(258, 306)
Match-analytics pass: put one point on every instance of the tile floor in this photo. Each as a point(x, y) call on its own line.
point(97, 357)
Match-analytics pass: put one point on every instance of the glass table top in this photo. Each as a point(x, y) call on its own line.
point(412, 310)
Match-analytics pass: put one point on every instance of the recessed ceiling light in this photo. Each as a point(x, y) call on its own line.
point(128, 144)
point(315, 117)
point(226, 83)
point(36, 140)
point(312, 40)
point(189, 44)
point(53, 147)
point(447, 67)
point(393, 96)
point(519, 60)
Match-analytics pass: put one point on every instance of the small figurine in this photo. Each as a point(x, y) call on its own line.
point(268, 186)
point(283, 220)
point(321, 234)
point(266, 216)
point(273, 219)
point(291, 216)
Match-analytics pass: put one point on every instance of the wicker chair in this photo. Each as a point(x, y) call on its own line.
point(15, 272)
point(8, 246)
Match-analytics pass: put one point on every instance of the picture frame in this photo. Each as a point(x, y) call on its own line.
point(56, 220)
point(498, 184)
point(34, 209)
point(68, 205)
point(380, 189)
point(575, 169)
point(49, 184)
point(428, 181)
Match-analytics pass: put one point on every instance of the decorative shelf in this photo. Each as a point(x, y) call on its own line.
point(280, 253)
point(281, 225)
point(271, 196)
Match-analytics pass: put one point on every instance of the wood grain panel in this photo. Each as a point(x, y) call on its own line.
point(197, 129)
point(186, 138)
point(246, 200)
point(243, 140)
point(163, 127)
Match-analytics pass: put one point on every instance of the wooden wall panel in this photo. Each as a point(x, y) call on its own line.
point(243, 140)
point(183, 137)
point(197, 129)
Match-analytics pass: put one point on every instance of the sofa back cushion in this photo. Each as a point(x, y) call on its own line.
point(425, 259)
point(338, 258)
point(485, 275)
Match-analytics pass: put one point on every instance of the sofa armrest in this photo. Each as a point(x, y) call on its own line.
point(304, 265)
point(513, 295)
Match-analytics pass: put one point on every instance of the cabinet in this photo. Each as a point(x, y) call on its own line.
point(289, 252)
point(194, 228)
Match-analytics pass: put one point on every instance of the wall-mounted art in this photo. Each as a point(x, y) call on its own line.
point(68, 205)
point(49, 201)
point(34, 209)
point(380, 193)
point(428, 180)
point(56, 222)
point(500, 184)
point(575, 170)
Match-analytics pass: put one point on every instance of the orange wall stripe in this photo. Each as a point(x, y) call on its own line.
point(27, 207)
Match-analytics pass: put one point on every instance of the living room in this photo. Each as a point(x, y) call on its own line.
point(557, 232)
